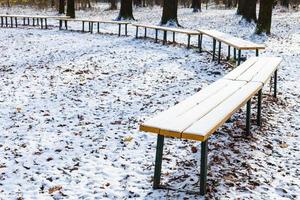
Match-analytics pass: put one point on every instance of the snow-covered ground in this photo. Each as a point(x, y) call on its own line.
point(70, 105)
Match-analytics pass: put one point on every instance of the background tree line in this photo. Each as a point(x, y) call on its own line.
point(247, 9)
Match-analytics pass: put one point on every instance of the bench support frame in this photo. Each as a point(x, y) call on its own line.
point(158, 164)
point(158, 161)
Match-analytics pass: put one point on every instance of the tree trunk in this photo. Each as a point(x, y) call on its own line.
point(137, 3)
point(265, 17)
point(241, 6)
point(169, 15)
point(61, 7)
point(71, 8)
point(284, 3)
point(126, 10)
point(196, 5)
point(249, 11)
point(113, 5)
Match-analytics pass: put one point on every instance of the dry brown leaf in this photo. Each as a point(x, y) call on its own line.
point(54, 189)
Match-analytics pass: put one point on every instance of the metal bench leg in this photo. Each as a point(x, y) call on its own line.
point(37, 22)
point(239, 57)
point(92, 27)
point(11, 22)
point(126, 32)
point(248, 117)
point(275, 84)
point(214, 49)
point(1, 21)
point(145, 34)
point(174, 37)
point(156, 35)
point(219, 53)
point(189, 41)
point(203, 170)
point(119, 30)
point(259, 108)
point(257, 53)
point(60, 24)
point(16, 21)
point(42, 26)
point(83, 26)
point(158, 161)
point(46, 25)
point(137, 32)
point(229, 51)
point(165, 37)
point(98, 27)
point(33, 21)
point(28, 21)
point(200, 42)
point(234, 53)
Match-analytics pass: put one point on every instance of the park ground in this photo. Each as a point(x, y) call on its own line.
point(70, 105)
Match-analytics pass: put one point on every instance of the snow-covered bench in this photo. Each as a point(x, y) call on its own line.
point(36, 20)
point(188, 32)
point(237, 43)
point(200, 115)
point(91, 23)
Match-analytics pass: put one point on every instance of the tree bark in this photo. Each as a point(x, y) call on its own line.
point(126, 10)
point(71, 8)
point(113, 5)
point(240, 9)
point(169, 15)
point(61, 7)
point(196, 5)
point(249, 11)
point(284, 3)
point(265, 17)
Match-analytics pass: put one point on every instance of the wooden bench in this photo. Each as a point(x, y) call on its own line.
point(188, 32)
point(200, 115)
point(36, 20)
point(91, 23)
point(236, 43)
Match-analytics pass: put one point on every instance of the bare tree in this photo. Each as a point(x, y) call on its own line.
point(126, 10)
point(169, 15)
point(265, 17)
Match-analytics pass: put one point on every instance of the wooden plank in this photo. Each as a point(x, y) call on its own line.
point(185, 120)
point(208, 124)
point(36, 16)
point(258, 68)
point(184, 106)
point(238, 71)
point(232, 41)
point(163, 28)
point(267, 71)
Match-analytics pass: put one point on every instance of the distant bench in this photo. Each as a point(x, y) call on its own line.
point(236, 43)
point(35, 19)
point(188, 32)
point(200, 115)
point(91, 23)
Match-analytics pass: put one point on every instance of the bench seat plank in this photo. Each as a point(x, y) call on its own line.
point(36, 16)
point(208, 124)
point(231, 40)
point(181, 122)
point(164, 28)
point(152, 125)
point(255, 69)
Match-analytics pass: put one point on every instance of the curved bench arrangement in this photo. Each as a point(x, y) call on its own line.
point(199, 116)
point(35, 19)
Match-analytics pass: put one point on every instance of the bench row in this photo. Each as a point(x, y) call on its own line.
point(237, 44)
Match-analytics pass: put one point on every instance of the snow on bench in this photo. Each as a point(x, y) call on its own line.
point(200, 115)
point(36, 20)
point(96, 21)
point(188, 32)
point(231, 41)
